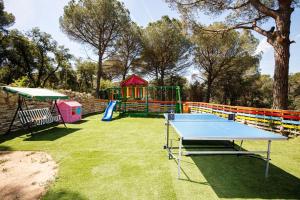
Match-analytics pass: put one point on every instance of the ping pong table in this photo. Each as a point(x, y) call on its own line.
point(209, 127)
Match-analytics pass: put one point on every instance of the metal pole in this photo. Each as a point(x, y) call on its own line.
point(170, 150)
point(28, 124)
point(15, 115)
point(167, 133)
point(268, 159)
point(179, 156)
point(147, 103)
point(241, 145)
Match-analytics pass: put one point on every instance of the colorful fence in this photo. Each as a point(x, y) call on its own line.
point(284, 121)
point(152, 107)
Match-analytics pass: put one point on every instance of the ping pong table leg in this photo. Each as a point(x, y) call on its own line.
point(179, 157)
point(268, 159)
point(167, 134)
point(241, 145)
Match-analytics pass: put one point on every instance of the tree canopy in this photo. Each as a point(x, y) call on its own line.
point(165, 49)
point(6, 19)
point(219, 56)
point(251, 15)
point(221, 59)
point(97, 23)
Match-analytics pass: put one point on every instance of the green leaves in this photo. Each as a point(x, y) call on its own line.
point(223, 59)
point(98, 23)
point(165, 49)
point(6, 19)
point(34, 55)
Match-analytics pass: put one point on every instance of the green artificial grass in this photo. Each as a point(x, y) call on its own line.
point(125, 159)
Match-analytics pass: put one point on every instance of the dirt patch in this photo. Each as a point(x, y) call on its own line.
point(25, 174)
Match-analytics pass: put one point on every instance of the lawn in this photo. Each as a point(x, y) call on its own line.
point(124, 159)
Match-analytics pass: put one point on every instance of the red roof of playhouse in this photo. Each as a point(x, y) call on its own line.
point(134, 80)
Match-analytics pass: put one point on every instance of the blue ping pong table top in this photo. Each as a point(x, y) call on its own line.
point(212, 127)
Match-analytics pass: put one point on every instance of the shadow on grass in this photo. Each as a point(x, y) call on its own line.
point(242, 176)
point(80, 121)
point(5, 148)
point(63, 195)
point(119, 116)
point(142, 115)
point(91, 114)
point(51, 134)
point(23, 132)
point(46, 133)
point(233, 176)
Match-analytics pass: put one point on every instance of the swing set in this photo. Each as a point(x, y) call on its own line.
point(135, 96)
point(30, 118)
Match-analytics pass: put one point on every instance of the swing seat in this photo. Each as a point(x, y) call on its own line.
point(38, 117)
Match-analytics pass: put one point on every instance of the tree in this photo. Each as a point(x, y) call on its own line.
point(251, 15)
point(262, 89)
point(182, 82)
point(97, 23)
point(196, 91)
point(294, 88)
point(165, 50)
point(6, 19)
point(86, 72)
point(35, 55)
point(219, 55)
point(128, 47)
point(113, 69)
point(66, 77)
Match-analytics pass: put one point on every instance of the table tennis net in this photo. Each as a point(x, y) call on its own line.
point(199, 118)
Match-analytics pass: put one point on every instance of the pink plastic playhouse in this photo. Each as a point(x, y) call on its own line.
point(70, 110)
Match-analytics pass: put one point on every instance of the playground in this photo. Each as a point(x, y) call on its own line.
point(134, 96)
point(127, 153)
point(125, 146)
point(138, 100)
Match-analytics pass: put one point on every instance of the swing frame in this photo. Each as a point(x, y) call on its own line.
point(22, 106)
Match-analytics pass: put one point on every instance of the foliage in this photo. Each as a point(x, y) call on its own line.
point(196, 91)
point(251, 15)
point(165, 50)
point(37, 56)
point(34, 55)
point(161, 52)
point(294, 91)
point(128, 49)
point(113, 68)
point(97, 23)
point(86, 71)
point(21, 82)
point(223, 58)
point(182, 82)
point(107, 84)
point(6, 19)
point(67, 77)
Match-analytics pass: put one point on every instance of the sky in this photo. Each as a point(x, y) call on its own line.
point(45, 15)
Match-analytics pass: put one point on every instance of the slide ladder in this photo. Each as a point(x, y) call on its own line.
point(109, 111)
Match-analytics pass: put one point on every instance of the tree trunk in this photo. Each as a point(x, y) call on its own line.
point(156, 76)
point(162, 82)
point(208, 90)
point(281, 76)
point(281, 44)
point(124, 77)
point(99, 75)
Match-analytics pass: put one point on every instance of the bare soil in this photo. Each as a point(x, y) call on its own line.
point(25, 174)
